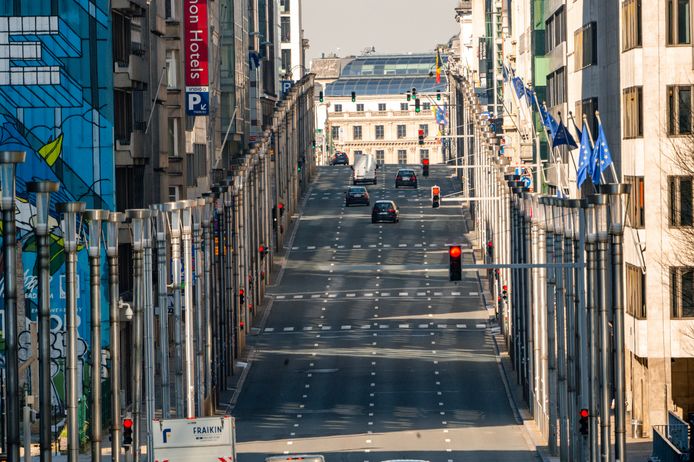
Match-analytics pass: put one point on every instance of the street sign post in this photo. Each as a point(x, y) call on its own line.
point(204, 439)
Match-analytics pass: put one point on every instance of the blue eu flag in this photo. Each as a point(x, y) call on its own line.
point(601, 155)
point(562, 136)
point(585, 156)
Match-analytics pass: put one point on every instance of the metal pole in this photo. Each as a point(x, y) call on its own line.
point(148, 307)
point(114, 320)
point(581, 322)
point(186, 234)
point(96, 217)
point(200, 340)
point(8, 161)
point(175, 213)
point(207, 288)
point(163, 302)
point(592, 348)
point(570, 319)
point(551, 336)
point(605, 443)
point(43, 189)
point(70, 211)
point(528, 302)
point(561, 330)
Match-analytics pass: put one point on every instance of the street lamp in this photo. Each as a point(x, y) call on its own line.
point(197, 212)
point(95, 217)
point(114, 220)
point(618, 197)
point(43, 190)
point(186, 234)
point(207, 216)
point(163, 302)
point(70, 230)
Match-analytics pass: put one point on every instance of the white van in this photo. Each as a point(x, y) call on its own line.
point(364, 169)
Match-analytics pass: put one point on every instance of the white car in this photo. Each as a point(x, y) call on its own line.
point(364, 169)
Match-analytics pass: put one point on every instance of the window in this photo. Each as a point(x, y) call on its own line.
point(633, 112)
point(423, 154)
point(404, 107)
point(338, 108)
point(174, 193)
point(680, 194)
point(357, 154)
point(380, 132)
point(173, 136)
point(425, 129)
point(287, 60)
point(356, 132)
point(679, 100)
point(636, 292)
point(555, 32)
point(285, 30)
point(586, 46)
point(678, 22)
point(402, 131)
point(284, 6)
point(172, 69)
point(382, 107)
point(556, 87)
point(170, 9)
point(380, 157)
point(335, 132)
point(122, 28)
point(637, 216)
point(588, 107)
point(426, 106)
point(682, 292)
point(631, 20)
point(122, 115)
point(360, 108)
point(402, 156)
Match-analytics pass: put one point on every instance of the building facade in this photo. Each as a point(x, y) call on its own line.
point(292, 58)
point(381, 121)
point(585, 56)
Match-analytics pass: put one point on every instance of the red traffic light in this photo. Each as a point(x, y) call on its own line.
point(127, 423)
point(425, 161)
point(280, 206)
point(455, 251)
point(241, 292)
point(261, 249)
point(585, 413)
point(504, 287)
point(421, 132)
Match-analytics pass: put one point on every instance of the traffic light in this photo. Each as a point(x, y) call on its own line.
point(416, 105)
point(354, 96)
point(127, 432)
point(455, 270)
point(281, 207)
point(409, 96)
point(421, 137)
point(438, 95)
point(263, 250)
point(414, 92)
point(320, 96)
point(435, 197)
point(504, 292)
point(425, 167)
point(242, 296)
point(583, 422)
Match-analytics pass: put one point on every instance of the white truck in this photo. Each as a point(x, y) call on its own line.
point(202, 439)
point(364, 169)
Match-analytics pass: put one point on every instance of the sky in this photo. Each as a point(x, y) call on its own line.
point(347, 27)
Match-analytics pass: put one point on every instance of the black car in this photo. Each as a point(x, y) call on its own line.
point(406, 177)
point(357, 195)
point(385, 211)
point(340, 159)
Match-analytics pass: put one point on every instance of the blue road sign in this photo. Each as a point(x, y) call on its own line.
point(197, 103)
point(286, 86)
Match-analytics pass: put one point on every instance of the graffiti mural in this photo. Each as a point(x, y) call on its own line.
point(56, 104)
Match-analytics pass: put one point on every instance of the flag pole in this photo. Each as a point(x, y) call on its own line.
point(551, 144)
point(612, 167)
point(592, 144)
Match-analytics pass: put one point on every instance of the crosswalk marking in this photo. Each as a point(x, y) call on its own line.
point(372, 246)
point(288, 329)
point(442, 326)
point(455, 293)
point(356, 246)
point(351, 295)
point(438, 294)
point(383, 326)
point(368, 294)
point(423, 326)
point(340, 246)
point(402, 245)
point(295, 248)
point(311, 247)
point(386, 245)
point(385, 294)
point(315, 296)
point(308, 328)
point(346, 327)
point(332, 295)
point(418, 245)
point(366, 326)
point(269, 329)
point(326, 328)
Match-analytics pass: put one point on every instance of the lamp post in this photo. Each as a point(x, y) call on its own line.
point(541, 305)
point(114, 220)
point(148, 319)
point(186, 236)
point(70, 234)
point(174, 219)
point(95, 217)
point(591, 314)
point(600, 211)
point(548, 214)
point(139, 218)
point(207, 288)
point(43, 190)
point(163, 302)
point(618, 196)
point(200, 340)
point(8, 162)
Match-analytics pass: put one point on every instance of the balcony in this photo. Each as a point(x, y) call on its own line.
point(132, 148)
point(130, 7)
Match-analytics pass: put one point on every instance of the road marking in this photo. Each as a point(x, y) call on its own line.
point(385, 294)
point(403, 294)
point(423, 326)
point(438, 294)
point(480, 326)
point(356, 246)
point(461, 326)
point(474, 294)
point(315, 296)
point(269, 329)
point(332, 295)
point(340, 246)
point(383, 326)
point(280, 297)
point(420, 294)
point(288, 329)
point(442, 326)
point(368, 294)
point(308, 328)
point(455, 293)
point(372, 246)
point(418, 245)
point(402, 245)
point(366, 326)
point(326, 328)
point(351, 295)
point(386, 245)
point(298, 296)
point(346, 327)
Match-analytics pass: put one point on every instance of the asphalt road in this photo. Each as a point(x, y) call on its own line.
point(369, 352)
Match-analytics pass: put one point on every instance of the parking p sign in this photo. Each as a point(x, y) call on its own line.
point(197, 101)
